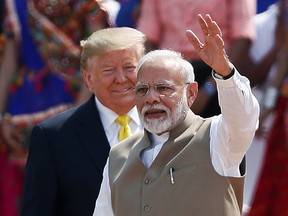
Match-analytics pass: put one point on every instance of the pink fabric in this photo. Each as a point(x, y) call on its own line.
point(11, 186)
point(165, 21)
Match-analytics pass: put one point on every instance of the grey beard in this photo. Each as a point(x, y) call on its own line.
point(173, 119)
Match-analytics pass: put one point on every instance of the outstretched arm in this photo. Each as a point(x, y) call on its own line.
point(232, 132)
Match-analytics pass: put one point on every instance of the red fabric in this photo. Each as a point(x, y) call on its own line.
point(11, 186)
point(271, 197)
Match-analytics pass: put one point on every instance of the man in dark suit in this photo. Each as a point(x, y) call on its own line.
point(68, 152)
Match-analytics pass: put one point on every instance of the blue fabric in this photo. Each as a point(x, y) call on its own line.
point(262, 5)
point(27, 99)
point(125, 15)
point(29, 52)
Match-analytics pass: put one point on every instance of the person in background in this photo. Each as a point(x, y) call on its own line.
point(39, 77)
point(269, 195)
point(68, 151)
point(183, 164)
point(266, 80)
point(128, 14)
point(263, 5)
point(165, 24)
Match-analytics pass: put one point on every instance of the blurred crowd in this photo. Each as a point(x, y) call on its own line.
point(40, 75)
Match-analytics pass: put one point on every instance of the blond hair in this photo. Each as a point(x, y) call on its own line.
point(110, 39)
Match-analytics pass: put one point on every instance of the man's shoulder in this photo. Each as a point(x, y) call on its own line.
point(59, 118)
point(81, 112)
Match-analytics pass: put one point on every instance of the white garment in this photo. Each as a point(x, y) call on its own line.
point(231, 134)
point(111, 127)
point(265, 24)
point(151, 153)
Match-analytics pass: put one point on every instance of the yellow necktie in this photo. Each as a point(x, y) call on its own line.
point(125, 130)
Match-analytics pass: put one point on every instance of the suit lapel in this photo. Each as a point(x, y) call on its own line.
point(91, 133)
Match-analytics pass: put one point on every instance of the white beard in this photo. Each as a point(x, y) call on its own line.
point(159, 126)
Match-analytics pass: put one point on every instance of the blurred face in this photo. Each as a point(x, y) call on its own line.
point(112, 77)
point(162, 96)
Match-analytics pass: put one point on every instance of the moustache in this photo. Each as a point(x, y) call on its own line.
point(154, 107)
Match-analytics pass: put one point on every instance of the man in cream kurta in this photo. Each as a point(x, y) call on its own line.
point(183, 164)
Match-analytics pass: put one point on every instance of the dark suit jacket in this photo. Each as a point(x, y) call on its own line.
point(66, 158)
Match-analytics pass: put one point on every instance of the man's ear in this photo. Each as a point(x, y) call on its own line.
point(87, 78)
point(192, 91)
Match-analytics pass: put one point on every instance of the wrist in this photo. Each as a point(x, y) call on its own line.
point(219, 76)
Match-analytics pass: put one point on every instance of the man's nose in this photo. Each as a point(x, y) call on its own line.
point(152, 96)
point(120, 74)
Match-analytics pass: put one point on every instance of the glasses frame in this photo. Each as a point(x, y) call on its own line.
point(167, 86)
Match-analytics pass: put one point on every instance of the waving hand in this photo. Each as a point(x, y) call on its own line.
point(212, 50)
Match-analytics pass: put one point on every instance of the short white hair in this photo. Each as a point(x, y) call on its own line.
point(188, 70)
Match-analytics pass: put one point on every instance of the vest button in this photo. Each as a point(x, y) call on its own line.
point(147, 181)
point(146, 208)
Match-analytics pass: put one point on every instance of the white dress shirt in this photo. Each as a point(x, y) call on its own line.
point(231, 134)
point(111, 127)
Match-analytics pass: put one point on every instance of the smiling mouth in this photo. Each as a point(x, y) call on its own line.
point(124, 90)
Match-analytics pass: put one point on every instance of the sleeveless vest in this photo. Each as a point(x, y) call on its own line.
point(181, 180)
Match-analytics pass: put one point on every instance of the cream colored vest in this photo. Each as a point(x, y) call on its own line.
point(195, 187)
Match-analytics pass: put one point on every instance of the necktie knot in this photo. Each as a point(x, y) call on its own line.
point(125, 130)
point(123, 119)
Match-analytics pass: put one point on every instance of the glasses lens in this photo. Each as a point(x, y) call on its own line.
point(142, 90)
point(165, 90)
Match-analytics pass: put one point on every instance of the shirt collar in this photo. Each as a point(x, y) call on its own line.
point(159, 139)
point(108, 116)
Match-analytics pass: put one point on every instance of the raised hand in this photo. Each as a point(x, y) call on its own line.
point(212, 51)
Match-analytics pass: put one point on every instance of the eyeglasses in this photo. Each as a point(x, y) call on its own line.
point(163, 89)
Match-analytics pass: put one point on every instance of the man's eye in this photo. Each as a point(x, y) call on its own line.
point(130, 67)
point(108, 70)
point(141, 90)
point(164, 88)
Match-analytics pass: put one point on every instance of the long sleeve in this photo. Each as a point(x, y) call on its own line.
point(103, 205)
point(232, 131)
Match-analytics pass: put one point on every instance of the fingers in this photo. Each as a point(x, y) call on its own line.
point(209, 27)
point(211, 50)
point(211, 32)
point(220, 43)
point(203, 25)
point(216, 29)
point(194, 40)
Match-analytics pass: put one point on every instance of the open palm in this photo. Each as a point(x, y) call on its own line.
point(212, 51)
